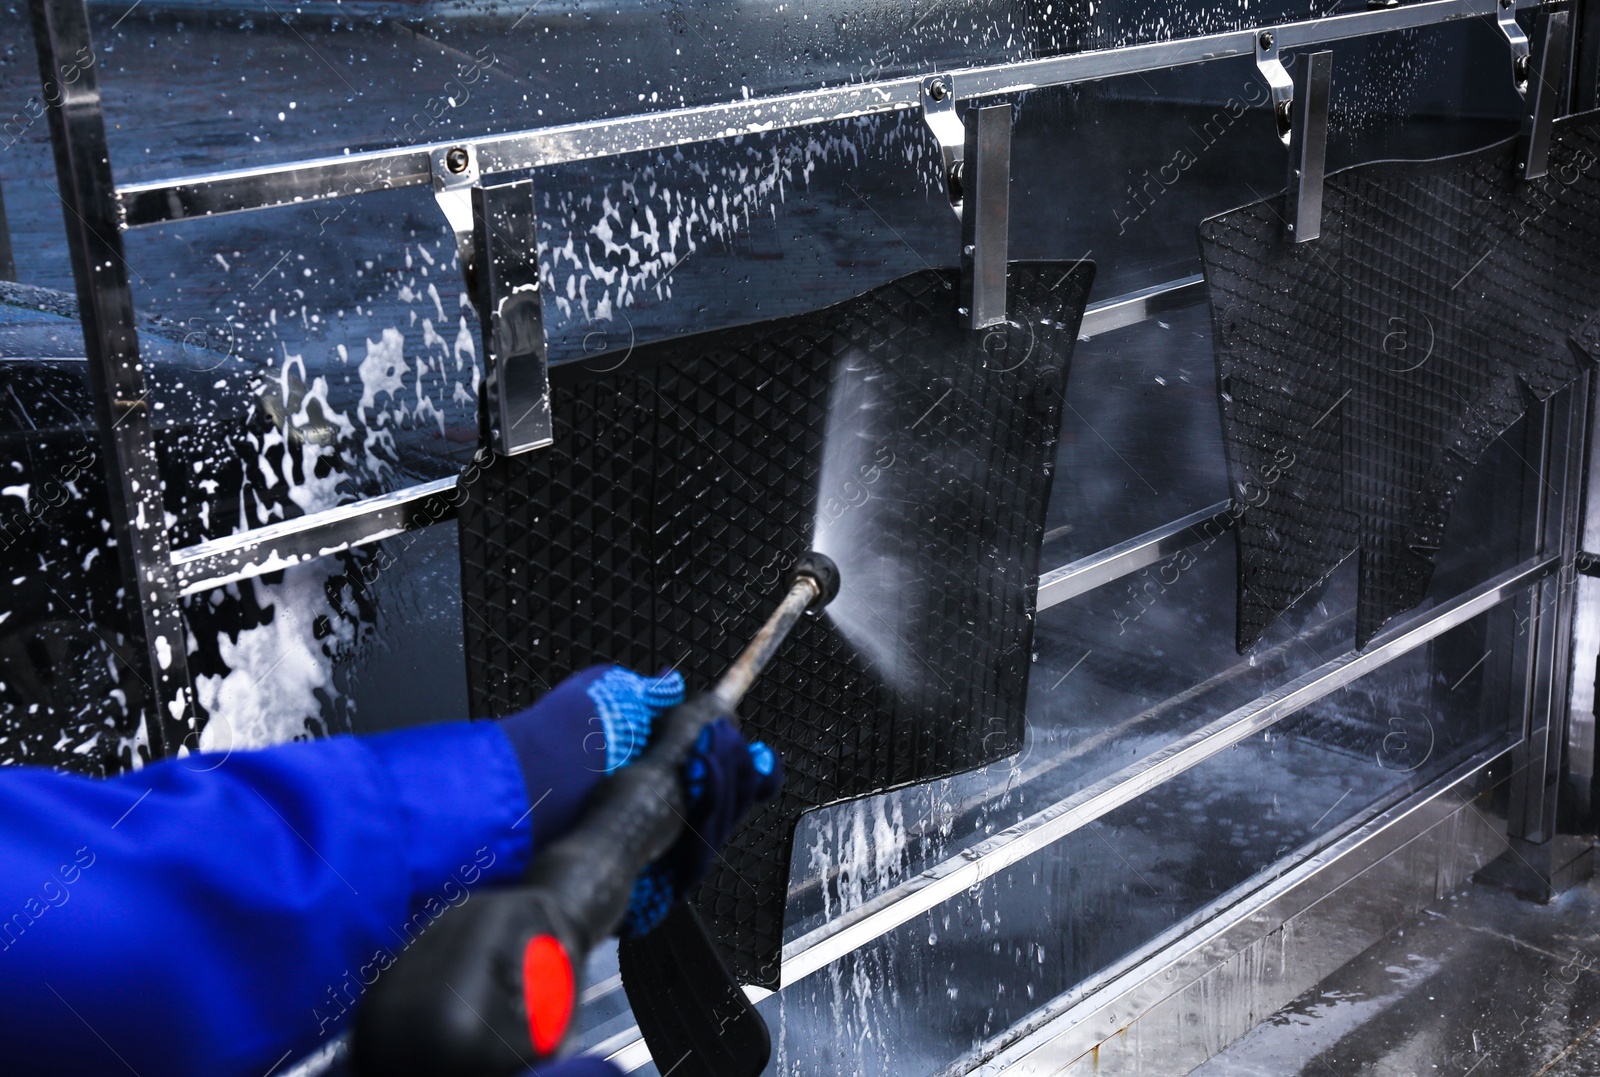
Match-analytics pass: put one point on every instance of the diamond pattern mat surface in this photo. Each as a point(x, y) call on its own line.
point(658, 529)
point(1363, 374)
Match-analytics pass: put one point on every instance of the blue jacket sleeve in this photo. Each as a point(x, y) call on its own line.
point(222, 915)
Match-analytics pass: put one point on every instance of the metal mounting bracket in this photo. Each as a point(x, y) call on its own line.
point(510, 302)
point(1278, 82)
point(985, 215)
point(1308, 145)
point(1549, 86)
point(1521, 60)
point(455, 173)
point(975, 163)
point(939, 113)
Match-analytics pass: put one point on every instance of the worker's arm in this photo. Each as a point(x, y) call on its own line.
point(222, 915)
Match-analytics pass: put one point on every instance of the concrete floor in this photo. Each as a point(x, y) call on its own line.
point(1482, 983)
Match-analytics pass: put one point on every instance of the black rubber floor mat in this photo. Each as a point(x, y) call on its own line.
point(1364, 373)
point(681, 485)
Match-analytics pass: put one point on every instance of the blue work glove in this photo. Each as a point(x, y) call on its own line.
point(723, 778)
point(581, 730)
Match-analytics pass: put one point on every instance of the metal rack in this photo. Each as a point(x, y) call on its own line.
point(97, 211)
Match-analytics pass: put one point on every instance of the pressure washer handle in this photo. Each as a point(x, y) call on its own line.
point(492, 987)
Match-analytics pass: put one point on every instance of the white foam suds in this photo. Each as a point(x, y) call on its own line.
point(276, 670)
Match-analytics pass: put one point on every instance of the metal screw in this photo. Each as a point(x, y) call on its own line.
point(457, 159)
point(936, 90)
point(1266, 39)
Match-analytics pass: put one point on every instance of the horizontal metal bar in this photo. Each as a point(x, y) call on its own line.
point(1098, 569)
point(381, 170)
point(281, 545)
point(378, 170)
point(1135, 307)
point(819, 948)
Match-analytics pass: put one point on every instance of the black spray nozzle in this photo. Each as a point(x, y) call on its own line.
point(820, 570)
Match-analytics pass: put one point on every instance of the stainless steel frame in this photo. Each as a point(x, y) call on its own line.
point(305, 538)
point(1580, 769)
point(381, 170)
point(954, 876)
point(111, 344)
point(1558, 438)
point(874, 918)
point(1175, 1002)
point(97, 211)
point(1151, 548)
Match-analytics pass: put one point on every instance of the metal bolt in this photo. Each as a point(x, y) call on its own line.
point(1266, 39)
point(936, 90)
point(457, 159)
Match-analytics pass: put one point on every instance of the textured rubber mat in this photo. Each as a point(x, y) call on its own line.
point(657, 529)
point(1363, 374)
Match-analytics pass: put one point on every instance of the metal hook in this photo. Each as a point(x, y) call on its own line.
point(1278, 81)
point(939, 113)
point(1521, 60)
point(455, 172)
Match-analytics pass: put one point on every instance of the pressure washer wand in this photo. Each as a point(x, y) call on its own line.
point(814, 583)
point(491, 988)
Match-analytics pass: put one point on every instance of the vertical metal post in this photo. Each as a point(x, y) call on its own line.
point(8, 263)
point(1308, 145)
point(116, 373)
point(985, 215)
point(1579, 803)
point(1548, 635)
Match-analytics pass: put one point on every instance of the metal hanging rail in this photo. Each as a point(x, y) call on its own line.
point(414, 166)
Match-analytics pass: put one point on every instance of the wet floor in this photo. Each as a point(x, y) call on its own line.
point(1483, 982)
